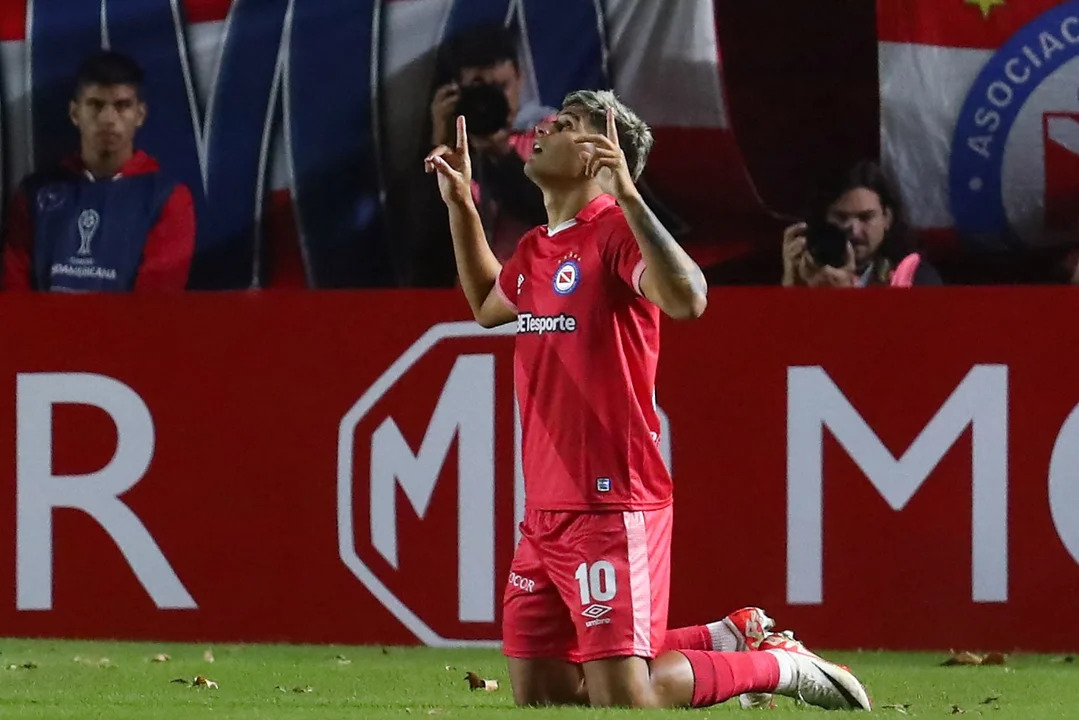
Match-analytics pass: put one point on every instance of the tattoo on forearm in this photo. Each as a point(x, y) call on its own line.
point(676, 263)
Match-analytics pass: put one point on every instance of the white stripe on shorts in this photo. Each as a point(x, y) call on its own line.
point(640, 582)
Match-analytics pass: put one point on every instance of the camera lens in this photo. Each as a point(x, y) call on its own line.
point(485, 108)
point(827, 244)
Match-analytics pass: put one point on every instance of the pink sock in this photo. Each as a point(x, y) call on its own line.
point(719, 676)
point(694, 637)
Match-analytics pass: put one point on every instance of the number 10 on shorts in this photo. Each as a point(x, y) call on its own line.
point(597, 582)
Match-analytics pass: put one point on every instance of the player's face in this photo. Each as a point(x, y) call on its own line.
point(555, 155)
point(107, 117)
point(860, 213)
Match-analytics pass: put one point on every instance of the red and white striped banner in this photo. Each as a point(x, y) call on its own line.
point(980, 116)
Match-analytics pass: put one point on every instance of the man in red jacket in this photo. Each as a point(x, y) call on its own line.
point(106, 220)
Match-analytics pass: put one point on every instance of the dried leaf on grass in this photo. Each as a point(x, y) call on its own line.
point(956, 710)
point(901, 709)
point(963, 658)
point(203, 681)
point(160, 658)
point(990, 699)
point(182, 681)
point(970, 658)
point(342, 660)
point(303, 689)
point(208, 656)
point(475, 682)
point(25, 666)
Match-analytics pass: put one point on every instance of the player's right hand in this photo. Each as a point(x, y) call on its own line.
point(454, 168)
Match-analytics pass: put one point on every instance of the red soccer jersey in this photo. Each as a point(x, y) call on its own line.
point(585, 366)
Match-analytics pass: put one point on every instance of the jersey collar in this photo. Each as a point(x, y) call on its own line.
point(595, 207)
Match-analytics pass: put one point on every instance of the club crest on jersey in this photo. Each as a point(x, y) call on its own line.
point(1014, 157)
point(568, 275)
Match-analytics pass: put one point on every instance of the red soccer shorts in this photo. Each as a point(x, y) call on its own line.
point(587, 586)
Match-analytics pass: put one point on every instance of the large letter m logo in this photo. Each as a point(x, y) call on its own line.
point(814, 402)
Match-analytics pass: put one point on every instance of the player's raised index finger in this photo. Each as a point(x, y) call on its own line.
point(462, 134)
point(612, 127)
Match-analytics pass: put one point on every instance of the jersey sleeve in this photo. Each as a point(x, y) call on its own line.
point(623, 256)
point(508, 278)
point(18, 246)
point(170, 245)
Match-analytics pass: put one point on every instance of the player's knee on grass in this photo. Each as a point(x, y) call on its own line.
point(665, 682)
point(672, 680)
point(546, 682)
point(533, 695)
point(619, 682)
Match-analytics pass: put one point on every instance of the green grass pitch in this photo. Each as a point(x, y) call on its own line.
point(118, 681)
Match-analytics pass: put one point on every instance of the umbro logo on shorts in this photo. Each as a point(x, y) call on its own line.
point(596, 612)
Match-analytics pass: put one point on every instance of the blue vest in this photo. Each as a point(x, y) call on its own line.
point(89, 236)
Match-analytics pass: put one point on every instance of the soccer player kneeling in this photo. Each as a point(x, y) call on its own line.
point(585, 611)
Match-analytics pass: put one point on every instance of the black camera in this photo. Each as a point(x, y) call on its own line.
point(827, 244)
point(485, 108)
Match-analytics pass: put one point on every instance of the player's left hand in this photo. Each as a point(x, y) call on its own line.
point(604, 160)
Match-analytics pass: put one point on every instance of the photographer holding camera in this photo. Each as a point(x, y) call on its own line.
point(477, 76)
point(856, 237)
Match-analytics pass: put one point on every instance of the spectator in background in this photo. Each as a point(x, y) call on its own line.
point(857, 236)
point(106, 219)
point(477, 76)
